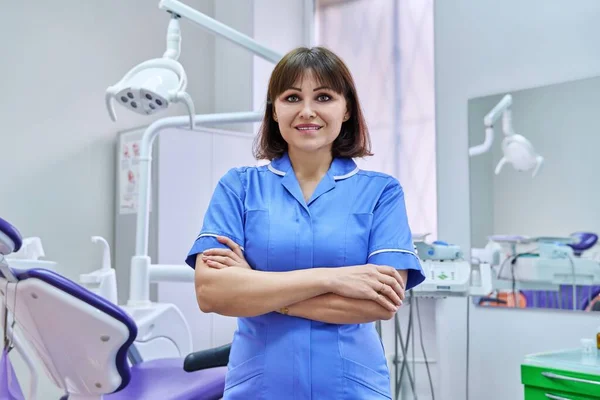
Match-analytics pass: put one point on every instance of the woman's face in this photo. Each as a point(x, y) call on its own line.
point(309, 115)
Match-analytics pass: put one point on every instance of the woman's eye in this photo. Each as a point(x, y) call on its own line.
point(323, 97)
point(292, 98)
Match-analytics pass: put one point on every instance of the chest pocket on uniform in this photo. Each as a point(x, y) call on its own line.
point(358, 230)
point(257, 227)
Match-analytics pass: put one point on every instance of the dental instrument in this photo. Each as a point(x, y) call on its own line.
point(517, 150)
point(103, 281)
point(102, 362)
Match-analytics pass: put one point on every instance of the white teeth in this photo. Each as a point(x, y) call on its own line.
point(311, 128)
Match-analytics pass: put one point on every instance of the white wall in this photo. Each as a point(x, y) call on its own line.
point(234, 67)
point(279, 26)
point(57, 139)
point(483, 48)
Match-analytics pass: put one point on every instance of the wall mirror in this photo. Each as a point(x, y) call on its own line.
point(538, 227)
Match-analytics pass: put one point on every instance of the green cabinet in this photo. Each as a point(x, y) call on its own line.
point(562, 375)
point(535, 393)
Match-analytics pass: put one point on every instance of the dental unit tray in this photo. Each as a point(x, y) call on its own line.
point(542, 270)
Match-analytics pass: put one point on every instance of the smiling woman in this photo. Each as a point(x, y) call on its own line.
point(308, 250)
point(313, 81)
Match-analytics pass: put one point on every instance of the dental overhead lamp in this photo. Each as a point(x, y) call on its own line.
point(516, 149)
point(155, 84)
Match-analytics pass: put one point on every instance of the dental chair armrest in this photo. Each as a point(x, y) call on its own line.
point(211, 358)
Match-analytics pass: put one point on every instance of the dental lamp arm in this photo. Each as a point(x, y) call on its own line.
point(501, 109)
point(539, 161)
point(219, 29)
point(173, 39)
point(501, 164)
point(498, 111)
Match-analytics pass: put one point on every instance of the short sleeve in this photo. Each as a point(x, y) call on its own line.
point(391, 241)
point(224, 217)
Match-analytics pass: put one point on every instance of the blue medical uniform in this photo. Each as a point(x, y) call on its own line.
point(354, 217)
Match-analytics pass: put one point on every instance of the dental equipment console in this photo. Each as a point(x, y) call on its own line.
point(447, 273)
point(100, 338)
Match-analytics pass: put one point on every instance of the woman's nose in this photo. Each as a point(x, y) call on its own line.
point(307, 111)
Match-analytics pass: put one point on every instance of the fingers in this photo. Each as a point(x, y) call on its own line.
point(385, 303)
point(394, 286)
point(227, 261)
point(392, 278)
point(387, 290)
point(232, 245)
point(223, 253)
point(393, 273)
point(384, 269)
point(214, 264)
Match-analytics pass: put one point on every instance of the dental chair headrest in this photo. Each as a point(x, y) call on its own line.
point(10, 238)
point(584, 241)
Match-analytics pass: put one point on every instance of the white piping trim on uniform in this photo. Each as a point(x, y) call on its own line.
point(275, 171)
point(393, 251)
point(213, 235)
point(348, 175)
point(336, 178)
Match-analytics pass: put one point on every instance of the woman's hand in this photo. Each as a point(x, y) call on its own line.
point(379, 283)
point(224, 258)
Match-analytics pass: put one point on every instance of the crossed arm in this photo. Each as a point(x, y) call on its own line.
point(222, 280)
point(336, 309)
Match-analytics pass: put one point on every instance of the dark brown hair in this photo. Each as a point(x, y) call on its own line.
point(329, 70)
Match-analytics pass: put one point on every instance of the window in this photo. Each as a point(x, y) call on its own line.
point(388, 46)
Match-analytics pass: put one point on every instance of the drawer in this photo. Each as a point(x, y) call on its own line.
point(536, 393)
point(561, 381)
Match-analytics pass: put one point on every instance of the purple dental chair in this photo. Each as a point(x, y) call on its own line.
point(85, 342)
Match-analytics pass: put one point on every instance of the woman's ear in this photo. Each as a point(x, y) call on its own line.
point(347, 116)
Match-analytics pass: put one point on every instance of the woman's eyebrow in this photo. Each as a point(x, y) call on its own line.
point(314, 90)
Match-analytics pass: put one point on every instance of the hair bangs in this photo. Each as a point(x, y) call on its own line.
point(325, 71)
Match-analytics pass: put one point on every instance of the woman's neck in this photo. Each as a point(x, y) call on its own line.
point(310, 166)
